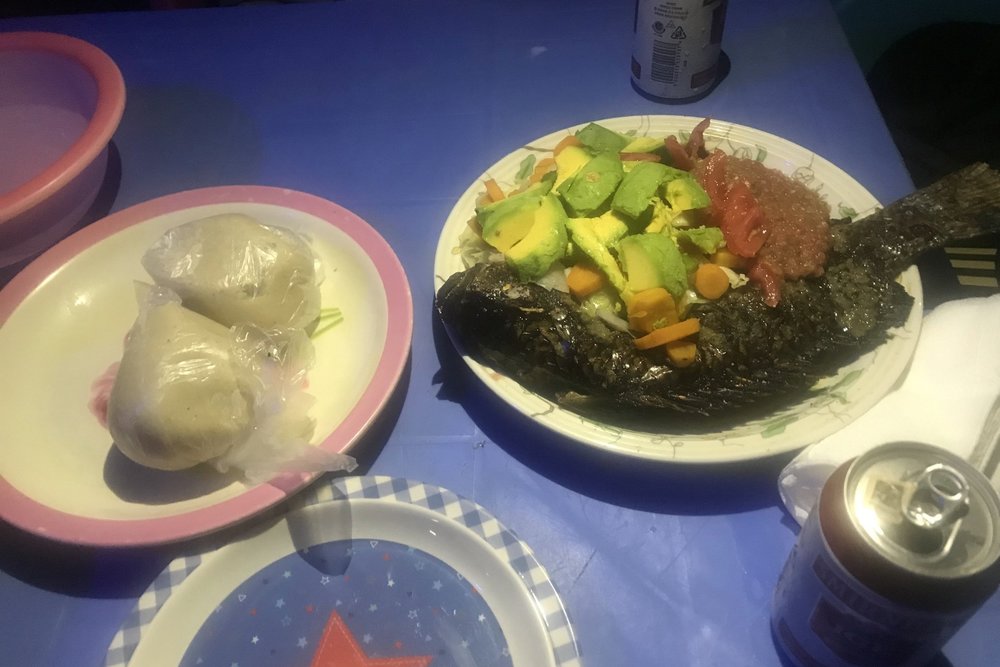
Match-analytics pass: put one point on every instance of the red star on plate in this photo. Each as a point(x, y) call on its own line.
point(339, 648)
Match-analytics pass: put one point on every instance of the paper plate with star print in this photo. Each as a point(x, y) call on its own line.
point(369, 572)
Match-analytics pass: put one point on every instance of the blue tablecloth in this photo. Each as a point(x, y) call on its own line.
point(391, 109)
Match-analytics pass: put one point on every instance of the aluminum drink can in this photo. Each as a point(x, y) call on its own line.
point(900, 550)
point(677, 48)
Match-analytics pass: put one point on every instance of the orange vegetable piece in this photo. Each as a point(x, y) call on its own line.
point(568, 140)
point(651, 308)
point(682, 353)
point(584, 280)
point(669, 334)
point(544, 166)
point(493, 190)
point(711, 281)
point(723, 257)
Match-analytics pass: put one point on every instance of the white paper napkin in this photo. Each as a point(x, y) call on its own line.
point(943, 400)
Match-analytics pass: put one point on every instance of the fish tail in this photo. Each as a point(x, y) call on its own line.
point(962, 205)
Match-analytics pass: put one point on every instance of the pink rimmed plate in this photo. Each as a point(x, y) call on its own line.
point(62, 324)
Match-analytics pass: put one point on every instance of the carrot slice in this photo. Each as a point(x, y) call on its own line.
point(568, 140)
point(493, 190)
point(651, 307)
point(544, 166)
point(711, 281)
point(668, 334)
point(584, 280)
point(682, 353)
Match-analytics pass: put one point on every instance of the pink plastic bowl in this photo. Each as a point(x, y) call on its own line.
point(61, 99)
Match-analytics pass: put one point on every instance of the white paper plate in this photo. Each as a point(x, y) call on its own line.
point(847, 395)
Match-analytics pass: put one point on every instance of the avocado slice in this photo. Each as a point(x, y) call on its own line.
point(639, 186)
point(569, 161)
point(685, 194)
point(609, 228)
point(705, 239)
point(585, 238)
point(660, 217)
point(653, 260)
point(591, 188)
point(643, 145)
point(507, 221)
point(545, 243)
point(600, 139)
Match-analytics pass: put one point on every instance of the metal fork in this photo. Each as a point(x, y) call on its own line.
point(986, 454)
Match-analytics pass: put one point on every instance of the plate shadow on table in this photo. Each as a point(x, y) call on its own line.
point(80, 571)
point(212, 139)
point(621, 480)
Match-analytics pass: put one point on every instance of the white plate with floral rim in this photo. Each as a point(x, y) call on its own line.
point(832, 404)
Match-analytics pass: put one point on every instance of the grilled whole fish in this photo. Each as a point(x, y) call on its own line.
point(752, 357)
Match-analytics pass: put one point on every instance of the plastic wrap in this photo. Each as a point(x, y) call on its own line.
point(233, 269)
point(191, 391)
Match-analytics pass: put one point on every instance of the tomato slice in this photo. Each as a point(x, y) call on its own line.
point(712, 177)
point(768, 279)
point(742, 221)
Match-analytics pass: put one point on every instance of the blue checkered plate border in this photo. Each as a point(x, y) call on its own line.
point(467, 513)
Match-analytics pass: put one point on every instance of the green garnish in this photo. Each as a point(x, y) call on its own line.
point(328, 318)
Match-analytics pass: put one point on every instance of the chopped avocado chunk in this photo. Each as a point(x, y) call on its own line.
point(508, 221)
point(586, 240)
point(638, 188)
point(684, 194)
point(505, 222)
point(544, 243)
point(662, 218)
point(653, 260)
point(609, 228)
point(591, 188)
point(569, 161)
point(643, 145)
point(706, 239)
point(600, 139)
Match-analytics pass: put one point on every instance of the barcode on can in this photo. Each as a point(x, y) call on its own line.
point(664, 62)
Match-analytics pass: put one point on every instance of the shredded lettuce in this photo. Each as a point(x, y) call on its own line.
point(526, 167)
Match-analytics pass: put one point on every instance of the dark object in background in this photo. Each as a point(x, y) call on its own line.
point(938, 91)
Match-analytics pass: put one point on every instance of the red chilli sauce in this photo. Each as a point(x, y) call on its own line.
point(777, 223)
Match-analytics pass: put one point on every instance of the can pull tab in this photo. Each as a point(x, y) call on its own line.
point(938, 497)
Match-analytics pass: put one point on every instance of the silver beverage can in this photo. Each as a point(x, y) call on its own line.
point(900, 550)
point(677, 48)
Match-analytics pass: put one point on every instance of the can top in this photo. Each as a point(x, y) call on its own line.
point(924, 509)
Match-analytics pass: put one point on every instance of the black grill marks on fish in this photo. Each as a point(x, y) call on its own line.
point(752, 358)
